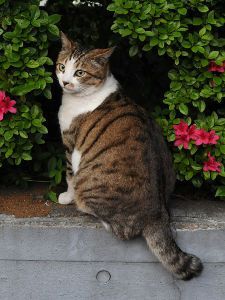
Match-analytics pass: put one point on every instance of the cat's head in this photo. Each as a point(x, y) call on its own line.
point(81, 71)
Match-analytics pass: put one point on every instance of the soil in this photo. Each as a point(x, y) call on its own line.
point(25, 203)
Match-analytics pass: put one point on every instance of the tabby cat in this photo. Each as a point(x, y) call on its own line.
point(118, 166)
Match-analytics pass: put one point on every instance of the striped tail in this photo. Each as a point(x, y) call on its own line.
point(160, 240)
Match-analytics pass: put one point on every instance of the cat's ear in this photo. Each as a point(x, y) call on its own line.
point(67, 44)
point(101, 53)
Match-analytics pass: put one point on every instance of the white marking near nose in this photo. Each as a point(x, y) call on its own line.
point(69, 70)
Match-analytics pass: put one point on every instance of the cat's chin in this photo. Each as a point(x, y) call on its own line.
point(69, 91)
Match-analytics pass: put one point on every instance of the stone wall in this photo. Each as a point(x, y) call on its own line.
point(67, 256)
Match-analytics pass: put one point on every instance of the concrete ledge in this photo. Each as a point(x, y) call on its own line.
point(67, 255)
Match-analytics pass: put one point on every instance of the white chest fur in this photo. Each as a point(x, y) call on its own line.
point(72, 105)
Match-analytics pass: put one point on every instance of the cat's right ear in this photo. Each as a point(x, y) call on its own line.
point(67, 44)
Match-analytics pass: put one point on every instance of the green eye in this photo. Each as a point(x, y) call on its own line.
point(79, 73)
point(61, 67)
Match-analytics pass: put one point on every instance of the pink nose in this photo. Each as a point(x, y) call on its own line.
point(65, 83)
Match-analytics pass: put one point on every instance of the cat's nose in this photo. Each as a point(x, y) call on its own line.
point(65, 83)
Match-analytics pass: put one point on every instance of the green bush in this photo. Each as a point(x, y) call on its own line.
point(25, 34)
point(183, 36)
point(191, 34)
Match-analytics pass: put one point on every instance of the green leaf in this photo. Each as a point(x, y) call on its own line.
point(171, 137)
point(47, 93)
point(32, 64)
point(172, 75)
point(201, 105)
point(213, 54)
point(183, 109)
point(8, 135)
point(23, 134)
point(34, 11)
point(8, 152)
point(18, 161)
point(58, 177)
point(222, 149)
point(22, 23)
point(52, 163)
point(21, 90)
point(154, 41)
point(197, 182)
point(53, 29)
point(37, 122)
point(189, 175)
point(203, 8)
point(133, 50)
point(24, 108)
point(125, 32)
point(186, 44)
point(140, 30)
point(206, 175)
point(197, 21)
point(217, 80)
point(52, 196)
point(220, 191)
point(34, 111)
point(175, 85)
point(202, 31)
point(53, 19)
point(26, 156)
point(182, 11)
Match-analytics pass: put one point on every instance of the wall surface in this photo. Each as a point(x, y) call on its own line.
point(67, 257)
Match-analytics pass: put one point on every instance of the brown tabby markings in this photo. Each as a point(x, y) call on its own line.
point(125, 176)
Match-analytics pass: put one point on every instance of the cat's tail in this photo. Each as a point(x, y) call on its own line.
point(160, 240)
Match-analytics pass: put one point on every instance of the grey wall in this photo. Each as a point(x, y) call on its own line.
point(66, 258)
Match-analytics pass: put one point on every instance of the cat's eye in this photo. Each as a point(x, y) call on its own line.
point(61, 67)
point(79, 73)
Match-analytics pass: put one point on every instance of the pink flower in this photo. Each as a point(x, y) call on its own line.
point(9, 105)
point(184, 134)
point(181, 128)
point(2, 96)
point(6, 105)
point(202, 137)
point(206, 138)
point(211, 164)
point(192, 132)
point(213, 137)
point(182, 140)
point(213, 67)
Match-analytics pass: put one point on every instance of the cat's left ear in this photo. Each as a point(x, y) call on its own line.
point(67, 44)
point(101, 53)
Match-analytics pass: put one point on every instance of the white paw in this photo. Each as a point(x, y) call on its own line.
point(65, 198)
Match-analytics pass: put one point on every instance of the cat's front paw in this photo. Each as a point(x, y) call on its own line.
point(65, 198)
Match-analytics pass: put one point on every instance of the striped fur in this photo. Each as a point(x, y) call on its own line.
point(119, 168)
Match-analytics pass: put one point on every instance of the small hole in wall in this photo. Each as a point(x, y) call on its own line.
point(103, 276)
